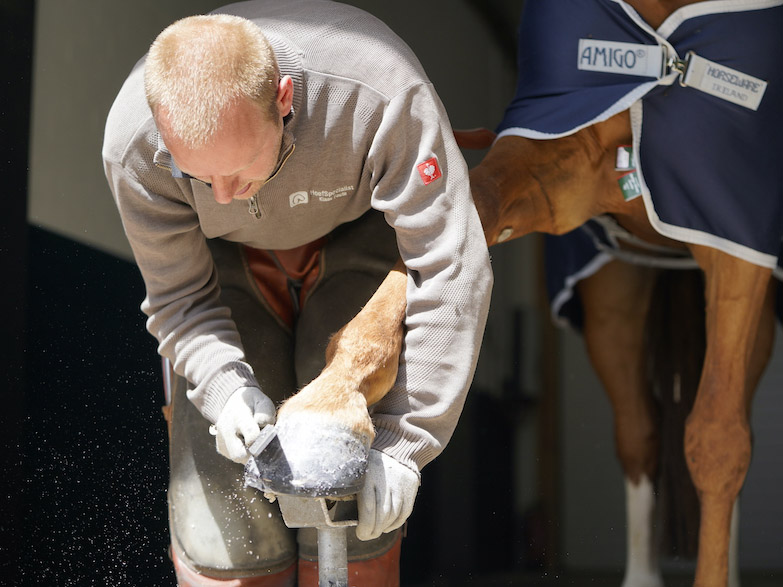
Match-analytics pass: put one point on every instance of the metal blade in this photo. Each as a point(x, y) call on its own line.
point(266, 436)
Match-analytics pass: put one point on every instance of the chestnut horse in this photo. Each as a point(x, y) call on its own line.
point(555, 185)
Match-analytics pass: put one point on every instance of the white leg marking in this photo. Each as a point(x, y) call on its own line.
point(642, 568)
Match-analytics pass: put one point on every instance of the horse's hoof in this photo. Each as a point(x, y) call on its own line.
point(312, 456)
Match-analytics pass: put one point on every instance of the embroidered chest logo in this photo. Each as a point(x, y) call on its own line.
point(429, 170)
point(304, 197)
point(298, 198)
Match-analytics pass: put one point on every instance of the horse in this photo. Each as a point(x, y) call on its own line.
point(555, 183)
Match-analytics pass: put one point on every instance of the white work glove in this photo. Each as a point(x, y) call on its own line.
point(240, 422)
point(386, 500)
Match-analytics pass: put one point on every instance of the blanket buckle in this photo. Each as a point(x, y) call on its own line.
point(681, 66)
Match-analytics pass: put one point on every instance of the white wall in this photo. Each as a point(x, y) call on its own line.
point(84, 49)
point(761, 509)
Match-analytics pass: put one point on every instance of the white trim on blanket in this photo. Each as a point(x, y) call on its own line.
point(680, 15)
point(567, 292)
point(621, 105)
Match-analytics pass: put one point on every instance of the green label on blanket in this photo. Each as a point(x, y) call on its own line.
point(630, 185)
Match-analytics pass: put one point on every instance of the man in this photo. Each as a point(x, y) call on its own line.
point(270, 164)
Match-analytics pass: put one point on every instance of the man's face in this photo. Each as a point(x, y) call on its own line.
point(240, 157)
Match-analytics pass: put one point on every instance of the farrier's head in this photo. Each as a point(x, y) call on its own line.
point(200, 66)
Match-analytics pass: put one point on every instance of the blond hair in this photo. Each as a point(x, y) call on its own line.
point(200, 65)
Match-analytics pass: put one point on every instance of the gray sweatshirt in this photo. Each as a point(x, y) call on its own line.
point(365, 118)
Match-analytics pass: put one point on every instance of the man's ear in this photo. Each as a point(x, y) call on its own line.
point(285, 95)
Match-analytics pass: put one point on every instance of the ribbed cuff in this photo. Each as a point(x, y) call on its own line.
point(414, 454)
point(223, 385)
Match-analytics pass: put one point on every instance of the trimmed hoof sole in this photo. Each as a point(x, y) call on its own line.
point(313, 457)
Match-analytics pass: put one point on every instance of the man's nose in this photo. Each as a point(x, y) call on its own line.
point(223, 188)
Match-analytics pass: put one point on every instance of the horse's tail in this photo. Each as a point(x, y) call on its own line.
point(676, 343)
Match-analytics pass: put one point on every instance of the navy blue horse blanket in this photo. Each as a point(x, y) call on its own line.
point(705, 93)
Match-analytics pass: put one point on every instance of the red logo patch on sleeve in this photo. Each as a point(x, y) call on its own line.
point(429, 170)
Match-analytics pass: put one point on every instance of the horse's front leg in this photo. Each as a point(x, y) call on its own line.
point(717, 435)
point(615, 302)
point(361, 364)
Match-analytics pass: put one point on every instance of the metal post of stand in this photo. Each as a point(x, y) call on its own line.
point(331, 519)
point(327, 503)
point(332, 557)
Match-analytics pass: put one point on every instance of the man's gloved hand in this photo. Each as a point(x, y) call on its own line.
point(239, 424)
point(386, 500)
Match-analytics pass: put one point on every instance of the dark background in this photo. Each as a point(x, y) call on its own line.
point(91, 467)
